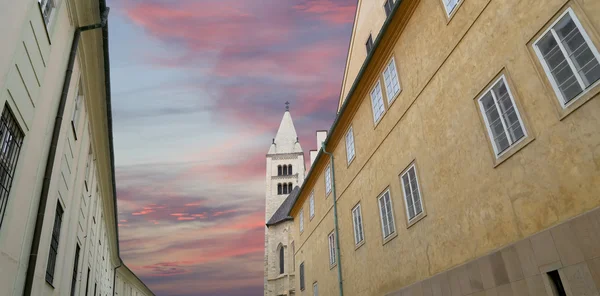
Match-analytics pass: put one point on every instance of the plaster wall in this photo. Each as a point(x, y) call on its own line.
point(473, 203)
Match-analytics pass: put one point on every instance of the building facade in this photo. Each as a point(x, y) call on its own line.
point(465, 154)
point(58, 229)
point(284, 175)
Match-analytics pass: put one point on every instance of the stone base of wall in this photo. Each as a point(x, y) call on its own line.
point(572, 248)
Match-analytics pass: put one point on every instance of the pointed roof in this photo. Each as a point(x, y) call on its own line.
point(286, 140)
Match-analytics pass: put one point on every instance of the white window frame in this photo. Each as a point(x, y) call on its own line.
point(451, 10)
point(417, 215)
point(43, 4)
point(393, 221)
point(350, 149)
point(511, 143)
point(590, 44)
point(388, 90)
point(331, 244)
point(373, 92)
point(315, 289)
point(359, 234)
point(301, 220)
point(328, 180)
point(311, 205)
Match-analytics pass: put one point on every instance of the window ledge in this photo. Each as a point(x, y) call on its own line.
point(389, 238)
point(357, 246)
point(513, 150)
point(331, 266)
point(578, 101)
point(416, 219)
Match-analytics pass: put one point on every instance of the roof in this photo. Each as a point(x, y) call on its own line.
point(286, 140)
point(282, 213)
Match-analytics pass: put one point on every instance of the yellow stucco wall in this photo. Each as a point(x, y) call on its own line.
point(474, 204)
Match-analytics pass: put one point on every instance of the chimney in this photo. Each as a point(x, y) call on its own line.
point(313, 156)
point(321, 136)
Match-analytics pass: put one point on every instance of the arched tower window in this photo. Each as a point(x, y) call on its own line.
point(279, 170)
point(281, 260)
point(285, 170)
point(289, 169)
point(290, 187)
point(284, 188)
point(279, 189)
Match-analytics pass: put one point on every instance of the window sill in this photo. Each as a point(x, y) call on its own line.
point(389, 238)
point(416, 219)
point(451, 15)
point(310, 217)
point(357, 246)
point(513, 150)
point(331, 266)
point(349, 162)
point(50, 284)
point(580, 100)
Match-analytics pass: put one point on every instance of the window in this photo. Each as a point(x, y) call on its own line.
point(281, 259)
point(392, 84)
point(331, 239)
point(95, 287)
point(290, 169)
point(87, 281)
point(311, 205)
point(377, 102)
point(301, 220)
point(388, 6)
point(556, 283)
point(359, 236)
point(76, 109)
point(369, 44)
point(88, 164)
point(568, 57)
point(328, 179)
point(290, 187)
point(54, 244)
point(293, 256)
point(450, 5)
point(285, 170)
point(387, 216)
point(75, 264)
point(315, 289)
point(502, 119)
point(279, 189)
point(302, 276)
point(350, 145)
point(47, 8)
point(412, 194)
point(279, 170)
point(10, 147)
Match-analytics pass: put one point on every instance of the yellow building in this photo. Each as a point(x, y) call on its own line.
point(58, 213)
point(466, 154)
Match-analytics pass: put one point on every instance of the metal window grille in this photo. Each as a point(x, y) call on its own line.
point(54, 244)
point(10, 147)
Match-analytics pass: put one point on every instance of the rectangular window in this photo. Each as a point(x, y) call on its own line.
point(75, 265)
point(311, 205)
point(47, 8)
point(54, 244)
point(556, 283)
point(293, 256)
point(369, 44)
point(77, 110)
point(388, 6)
point(502, 119)
point(390, 78)
point(88, 164)
point(301, 220)
point(450, 5)
point(358, 227)
point(87, 281)
point(412, 194)
point(302, 276)
point(377, 102)
point(331, 239)
point(387, 217)
point(315, 289)
point(569, 57)
point(10, 147)
point(350, 145)
point(328, 179)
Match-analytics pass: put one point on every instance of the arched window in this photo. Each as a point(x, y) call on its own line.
point(281, 260)
point(279, 189)
point(284, 188)
point(290, 187)
point(285, 170)
point(279, 171)
point(289, 169)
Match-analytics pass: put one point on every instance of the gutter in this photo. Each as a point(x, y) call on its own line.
point(39, 220)
point(362, 71)
point(335, 221)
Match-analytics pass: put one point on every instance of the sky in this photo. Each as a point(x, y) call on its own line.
point(198, 91)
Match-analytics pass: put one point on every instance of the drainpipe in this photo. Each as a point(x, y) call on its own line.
point(39, 220)
point(335, 220)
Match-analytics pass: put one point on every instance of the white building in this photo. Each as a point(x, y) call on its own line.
point(58, 214)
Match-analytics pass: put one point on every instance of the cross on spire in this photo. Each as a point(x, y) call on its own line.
point(287, 106)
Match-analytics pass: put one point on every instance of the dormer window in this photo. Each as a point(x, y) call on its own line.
point(369, 44)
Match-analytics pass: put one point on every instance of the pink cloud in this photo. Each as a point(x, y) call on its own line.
point(328, 10)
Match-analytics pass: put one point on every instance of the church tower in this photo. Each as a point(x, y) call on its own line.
point(285, 171)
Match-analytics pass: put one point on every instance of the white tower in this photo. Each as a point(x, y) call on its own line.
point(285, 171)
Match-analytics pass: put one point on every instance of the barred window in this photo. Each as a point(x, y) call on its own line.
point(10, 147)
point(350, 145)
point(328, 180)
point(412, 194)
point(331, 240)
point(311, 205)
point(358, 227)
point(387, 217)
point(54, 244)
point(377, 102)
